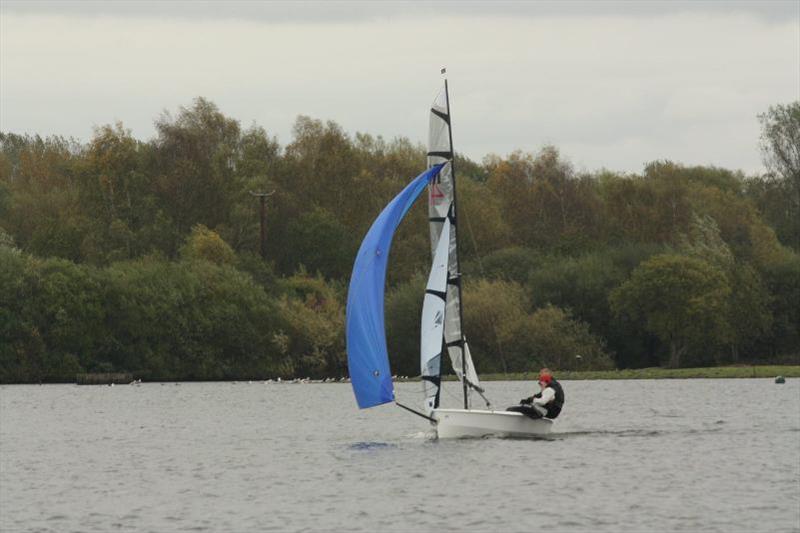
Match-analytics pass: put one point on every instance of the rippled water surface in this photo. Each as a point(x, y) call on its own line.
point(676, 455)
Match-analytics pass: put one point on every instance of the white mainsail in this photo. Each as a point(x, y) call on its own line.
point(433, 318)
point(441, 208)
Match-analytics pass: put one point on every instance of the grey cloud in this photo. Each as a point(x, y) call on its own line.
point(351, 11)
point(612, 93)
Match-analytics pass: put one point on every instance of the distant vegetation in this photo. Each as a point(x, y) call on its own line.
point(713, 372)
point(122, 255)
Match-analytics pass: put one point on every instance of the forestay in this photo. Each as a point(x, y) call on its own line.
point(367, 357)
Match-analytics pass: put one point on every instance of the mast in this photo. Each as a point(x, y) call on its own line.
point(458, 258)
point(442, 213)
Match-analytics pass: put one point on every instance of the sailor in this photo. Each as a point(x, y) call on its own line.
point(547, 402)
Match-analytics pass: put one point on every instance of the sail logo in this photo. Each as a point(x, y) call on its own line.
point(436, 193)
point(439, 318)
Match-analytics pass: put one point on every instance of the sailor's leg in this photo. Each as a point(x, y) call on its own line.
point(526, 410)
point(540, 409)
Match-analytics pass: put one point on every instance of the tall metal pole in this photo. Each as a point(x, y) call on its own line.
point(458, 255)
point(263, 197)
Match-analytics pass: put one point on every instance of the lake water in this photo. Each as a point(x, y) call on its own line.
point(671, 455)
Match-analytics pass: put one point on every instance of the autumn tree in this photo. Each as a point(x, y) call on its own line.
point(206, 244)
point(543, 202)
point(43, 212)
point(506, 335)
point(116, 190)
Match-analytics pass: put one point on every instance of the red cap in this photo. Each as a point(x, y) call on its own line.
point(545, 378)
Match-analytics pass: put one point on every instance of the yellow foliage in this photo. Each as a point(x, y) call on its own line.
point(207, 245)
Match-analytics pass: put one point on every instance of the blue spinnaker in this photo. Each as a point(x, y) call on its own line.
point(367, 357)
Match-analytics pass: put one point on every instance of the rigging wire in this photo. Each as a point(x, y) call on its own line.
point(453, 396)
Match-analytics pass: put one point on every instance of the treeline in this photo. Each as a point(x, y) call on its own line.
point(124, 255)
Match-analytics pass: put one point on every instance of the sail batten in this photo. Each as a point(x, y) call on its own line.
point(367, 356)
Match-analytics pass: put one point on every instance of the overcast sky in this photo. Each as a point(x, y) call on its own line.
point(611, 84)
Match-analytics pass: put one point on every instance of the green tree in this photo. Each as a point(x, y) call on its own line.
point(21, 345)
point(780, 145)
point(749, 311)
point(581, 285)
point(258, 162)
point(311, 337)
point(52, 316)
point(488, 304)
point(321, 166)
point(261, 271)
point(704, 241)
point(321, 243)
point(749, 316)
point(780, 140)
point(513, 263)
point(551, 337)
point(189, 320)
point(194, 166)
point(402, 314)
point(783, 282)
point(681, 300)
point(773, 196)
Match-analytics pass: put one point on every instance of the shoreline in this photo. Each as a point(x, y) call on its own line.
point(720, 372)
point(716, 372)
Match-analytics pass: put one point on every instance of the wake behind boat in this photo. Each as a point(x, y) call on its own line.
point(441, 330)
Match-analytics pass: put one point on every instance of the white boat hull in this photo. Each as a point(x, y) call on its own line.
point(459, 423)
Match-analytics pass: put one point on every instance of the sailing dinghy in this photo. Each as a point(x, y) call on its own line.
point(441, 331)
